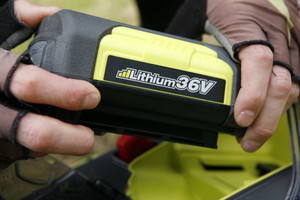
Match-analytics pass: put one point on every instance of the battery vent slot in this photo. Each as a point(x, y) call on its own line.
point(222, 167)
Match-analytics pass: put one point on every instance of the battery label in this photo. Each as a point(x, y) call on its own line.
point(159, 78)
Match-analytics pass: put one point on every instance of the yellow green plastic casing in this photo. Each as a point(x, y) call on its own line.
point(184, 172)
point(164, 51)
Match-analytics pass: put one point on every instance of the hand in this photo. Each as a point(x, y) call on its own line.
point(42, 134)
point(266, 52)
point(45, 134)
point(266, 93)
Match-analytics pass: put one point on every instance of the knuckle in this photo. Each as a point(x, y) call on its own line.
point(282, 84)
point(74, 96)
point(294, 93)
point(79, 95)
point(37, 137)
point(256, 99)
point(262, 54)
point(25, 89)
point(263, 132)
point(72, 102)
point(42, 142)
point(87, 144)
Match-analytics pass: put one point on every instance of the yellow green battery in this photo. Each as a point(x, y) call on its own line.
point(169, 56)
point(152, 84)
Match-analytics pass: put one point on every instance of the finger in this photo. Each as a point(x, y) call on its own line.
point(267, 120)
point(256, 68)
point(293, 97)
point(48, 135)
point(32, 14)
point(36, 85)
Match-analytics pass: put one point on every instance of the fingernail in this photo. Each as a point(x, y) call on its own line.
point(250, 145)
point(245, 118)
point(91, 101)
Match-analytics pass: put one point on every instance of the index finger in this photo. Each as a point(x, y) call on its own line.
point(36, 85)
point(256, 69)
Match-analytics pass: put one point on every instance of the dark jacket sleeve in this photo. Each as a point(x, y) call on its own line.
point(12, 31)
point(157, 14)
point(189, 20)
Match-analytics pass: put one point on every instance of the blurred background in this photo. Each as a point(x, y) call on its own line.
point(118, 10)
point(124, 11)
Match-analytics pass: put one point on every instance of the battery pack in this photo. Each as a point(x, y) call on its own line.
point(152, 84)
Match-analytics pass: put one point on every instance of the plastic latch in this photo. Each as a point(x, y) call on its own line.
point(130, 147)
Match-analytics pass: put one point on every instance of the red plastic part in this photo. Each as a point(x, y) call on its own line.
point(130, 147)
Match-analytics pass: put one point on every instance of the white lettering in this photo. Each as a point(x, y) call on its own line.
point(183, 82)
